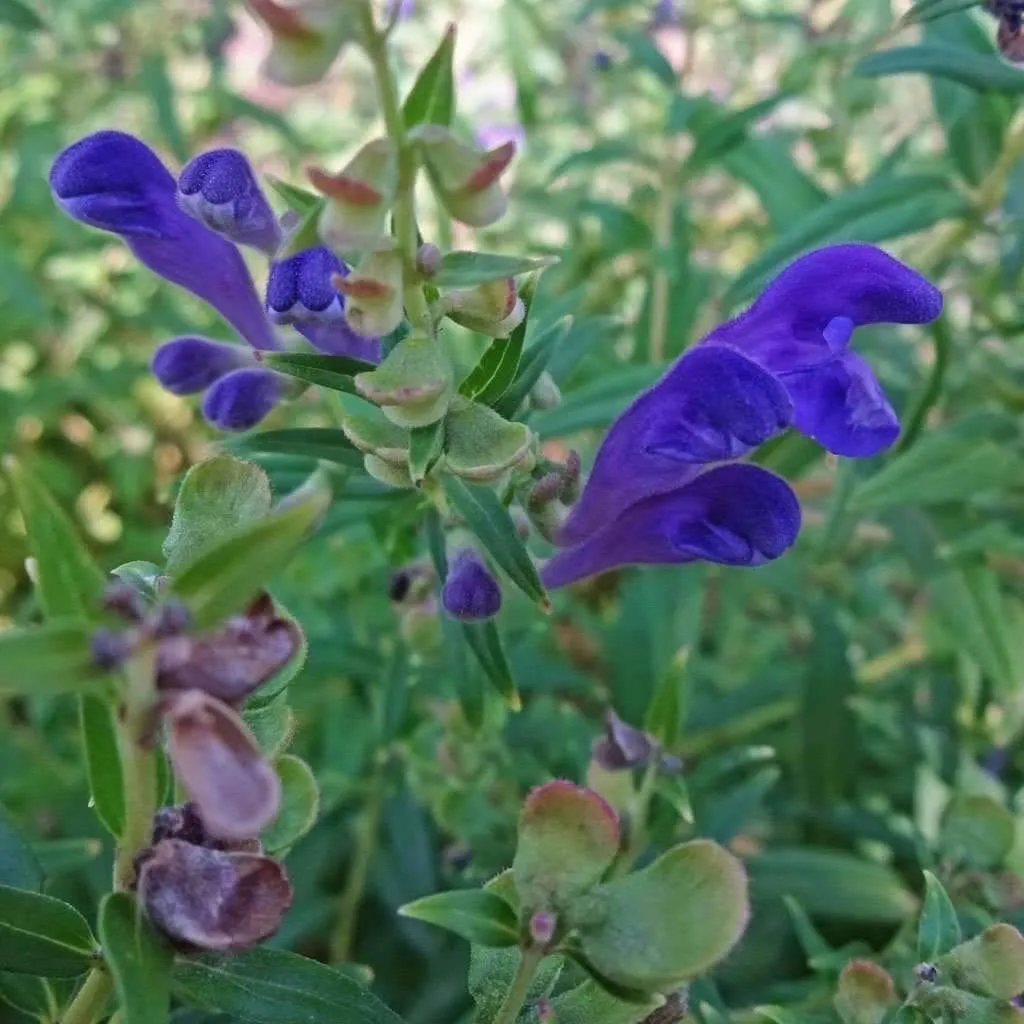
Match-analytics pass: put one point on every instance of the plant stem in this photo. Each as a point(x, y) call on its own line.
point(355, 884)
point(138, 768)
point(638, 811)
point(405, 203)
point(660, 275)
point(517, 992)
point(92, 997)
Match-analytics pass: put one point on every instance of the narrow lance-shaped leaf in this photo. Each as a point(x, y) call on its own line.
point(480, 916)
point(432, 96)
point(46, 660)
point(324, 443)
point(332, 372)
point(461, 269)
point(975, 70)
point(43, 936)
point(938, 930)
point(496, 370)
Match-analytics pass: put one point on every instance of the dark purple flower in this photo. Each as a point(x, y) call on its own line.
point(800, 328)
point(188, 365)
point(470, 592)
point(732, 514)
point(114, 182)
point(712, 405)
point(300, 292)
point(241, 398)
point(219, 189)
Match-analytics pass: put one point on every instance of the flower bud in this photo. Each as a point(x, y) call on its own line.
point(415, 383)
point(542, 927)
point(359, 197)
point(542, 501)
point(221, 766)
point(202, 898)
point(240, 399)
point(374, 293)
point(470, 592)
point(188, 365)
point(624, 747)
point(481, 445)
point(390, 473)
point(234, 660)
point(123, 600)
point(545, 394)
point(109, 649)
point(219, 189)
point(372, 432)
point(428, 259)
point(493, 308)
point(307, 36)
point(465, 177)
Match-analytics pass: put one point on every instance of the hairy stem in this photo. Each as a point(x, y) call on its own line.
point(405, 204)
point(355, 884)
point(89, 1002)
point(517, 992)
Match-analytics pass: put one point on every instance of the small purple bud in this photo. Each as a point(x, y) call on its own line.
point(602, 60)
point(428, 259)
point(171, 618)
point(188, 365)
point(299, 288)
point(665, 14)
point(471, 592)
point(928, 973)
point(219, 189)
point(124, 600)
point(180, 821)
point(109, 649)
point(242, 398)
point(399, 586)
point(542, 927)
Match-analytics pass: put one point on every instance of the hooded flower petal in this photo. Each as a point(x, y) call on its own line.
point(112, 181)
point(805, 318)
point(186, 366)
point(219, 189)
point(713, 404)
point(300, 292)
point(219, 762)
point(240, 399)
point(470, 592)
point(733, 514)
point(212, 899)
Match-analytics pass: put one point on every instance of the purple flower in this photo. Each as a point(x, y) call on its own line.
point(300, 292)
point(800, 328)
point(732, 514)
point(470, 592)
point(219, 189)
point(114, 182)
point(241, 398)
point(188, 365)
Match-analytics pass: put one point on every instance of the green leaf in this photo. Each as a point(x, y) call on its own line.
point(975, 70)
point(977, 831)
point(431, 99)
point(938, 929)
point(271, 986)
point(811, 941)
point(300, 804)
point(155, 83)
point(43, 936)
point(425, 447)
point(217, 497)
point(461, 269)
point(631, 937)
point(480, 916)
point(929, 10)
point(32, 996)
point(65, 856)
point(534, 361)
point(272, 723)
point(496, 370)
point(568, 838)
point(19, 867)
point(831, 884)
point(306, 234)
point(103, 762)
point(20, 16)
point(484, 640)
point(645, 54)
point(589, 1003)
point(228, 575)
point(326, 444)
point(138, 958)
point(871, 212)
point(663, 718)
point(601, 154)
point(596, 403)
point(332, 372)
point(69, 583)
point(990, 964)
point(41, 661)
point(300, 200)
point(490, 521)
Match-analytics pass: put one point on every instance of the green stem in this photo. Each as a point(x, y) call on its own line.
point(660, 282)
point(638, 812)
point(517, 992)
point(138, 768)
point(355, 884)
point(90, 1000)
point(404, 211)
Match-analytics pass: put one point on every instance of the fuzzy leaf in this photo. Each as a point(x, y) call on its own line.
point(990, 964)
point(300, 804)
point(978, 831)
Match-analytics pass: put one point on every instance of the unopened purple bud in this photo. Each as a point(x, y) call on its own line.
point(242, 398)
point(124, 600)
point(219, 189)
point(471, 592)
point(927, 973)
point(109, 649)
point(602, 60)
point(542, 927)
point(299, 288)
point(171, 618)
point(428, 259)
point(181, 821)
point(188, 365)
